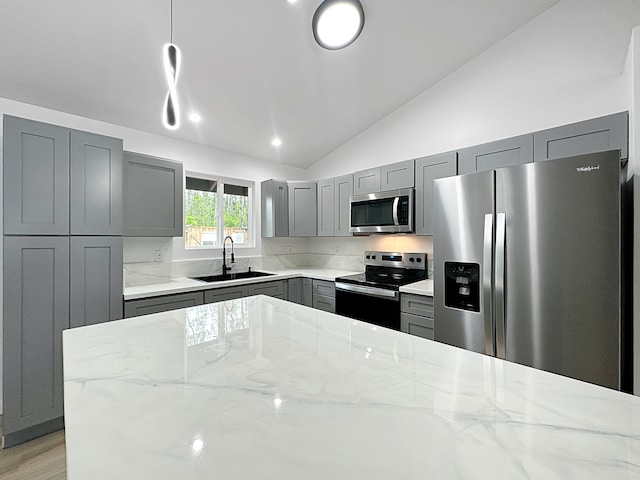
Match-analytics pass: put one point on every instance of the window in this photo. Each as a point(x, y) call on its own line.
point(216, 208)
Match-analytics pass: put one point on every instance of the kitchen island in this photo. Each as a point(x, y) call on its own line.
point(260, 388)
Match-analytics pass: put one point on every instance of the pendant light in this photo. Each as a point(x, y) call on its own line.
point(171, 59)
point(338, 23)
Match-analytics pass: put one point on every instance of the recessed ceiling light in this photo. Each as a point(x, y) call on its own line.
point(337, 23)
point(292, 1)
point(276, 142)
point(194, 117)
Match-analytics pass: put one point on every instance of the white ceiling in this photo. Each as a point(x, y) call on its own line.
point(250, 67)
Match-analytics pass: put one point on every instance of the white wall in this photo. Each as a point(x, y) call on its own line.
point(563, 66)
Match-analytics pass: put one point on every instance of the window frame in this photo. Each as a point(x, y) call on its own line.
point(222, 180)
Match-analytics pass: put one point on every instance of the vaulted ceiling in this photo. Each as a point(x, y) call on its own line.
point(250, 68)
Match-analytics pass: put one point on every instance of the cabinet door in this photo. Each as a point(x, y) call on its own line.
point(503, 153)
point(274, 207)
point(96, 280)
point(225, 293)
point(398, 175)
point(416, 325)
point(302, 209)
point(427, 170)
point(367, 181)
point(152, 197)
point(327, 304)
point(36, 311)
point(145, 306)
point(326, 208)
point(307, 292)
point(591, 136)
point(96, 184)
point(294, 290)
point(36, 178)
point(273, 289)
point(343, 191)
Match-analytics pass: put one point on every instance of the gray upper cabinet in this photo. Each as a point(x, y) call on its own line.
point(367, 181)
point(398, 175)
point(594, 135)
point(326, 208)
point(274, 208)
point(343, 190)
point(428, 169)
point(96, 184)
point(502, 153)
point(36, 178)
point(153, 196)
point(96, 280)
point(35, 311)
point(302, 209)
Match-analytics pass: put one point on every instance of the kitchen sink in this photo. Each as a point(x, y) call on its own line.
point(231, 276)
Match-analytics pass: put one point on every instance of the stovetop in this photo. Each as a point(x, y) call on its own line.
point(390, 270)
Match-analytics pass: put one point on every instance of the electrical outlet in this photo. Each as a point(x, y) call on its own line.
point(158, 255)
point(289, 248)
point(283, 249)
point(337, 249)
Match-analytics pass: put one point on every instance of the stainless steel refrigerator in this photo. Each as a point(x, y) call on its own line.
point(527, 265)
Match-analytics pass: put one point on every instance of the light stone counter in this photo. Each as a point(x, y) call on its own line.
point(260, 388)
point(423, 287)
point(184, 284)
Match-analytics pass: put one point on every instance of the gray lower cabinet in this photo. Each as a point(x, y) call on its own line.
point(145, 306)
point(367, 181)
point(153, 196)
point(502, 153)
point(225, 293)
point(427, 170)
point(96, 280)
point(324, 295)
point(35, 312)
point(416, 315)
point(590, 136)
point(274, 207)
point(277, 289)
point(302, 209)
point(300, 291)
point(96, 184)
point(397, 175)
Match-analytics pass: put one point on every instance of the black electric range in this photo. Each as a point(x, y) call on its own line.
point(374, 296)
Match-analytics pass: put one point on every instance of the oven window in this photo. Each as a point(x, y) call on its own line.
point(372, 213)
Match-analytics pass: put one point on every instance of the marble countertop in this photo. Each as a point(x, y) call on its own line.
point(184, 284)
point(260, 388)
point(423, 287)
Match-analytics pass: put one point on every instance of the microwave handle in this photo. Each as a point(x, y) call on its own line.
point(396, 202)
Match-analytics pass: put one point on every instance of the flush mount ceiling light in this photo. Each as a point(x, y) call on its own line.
point(171, 59)
point(337, 23)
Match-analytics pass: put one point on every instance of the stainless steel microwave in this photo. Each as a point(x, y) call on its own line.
point(383, 212)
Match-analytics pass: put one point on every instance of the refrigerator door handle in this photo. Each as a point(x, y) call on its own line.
point(487, 285)
point(501, 339)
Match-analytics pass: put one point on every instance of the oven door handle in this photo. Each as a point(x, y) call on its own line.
point(373, 291)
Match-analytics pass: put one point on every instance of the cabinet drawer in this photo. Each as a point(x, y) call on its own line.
point(325, 288)
point(227, 293)
point(272, 289)
point(321, 302)
point(145, 306)
point(416, 325)
point(416, 304)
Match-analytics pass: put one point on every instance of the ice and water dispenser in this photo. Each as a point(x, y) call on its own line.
point(462, 285)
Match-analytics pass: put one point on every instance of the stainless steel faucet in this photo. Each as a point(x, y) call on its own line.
point(225, 269)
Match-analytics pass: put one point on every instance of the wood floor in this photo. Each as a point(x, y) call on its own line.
point(39, 459)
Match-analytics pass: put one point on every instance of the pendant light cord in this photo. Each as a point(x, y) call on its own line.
point(171, 22)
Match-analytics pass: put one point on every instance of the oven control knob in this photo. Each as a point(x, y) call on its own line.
point(418, 260)
point(368, 257)
point(373, 257)
point(411, 259)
